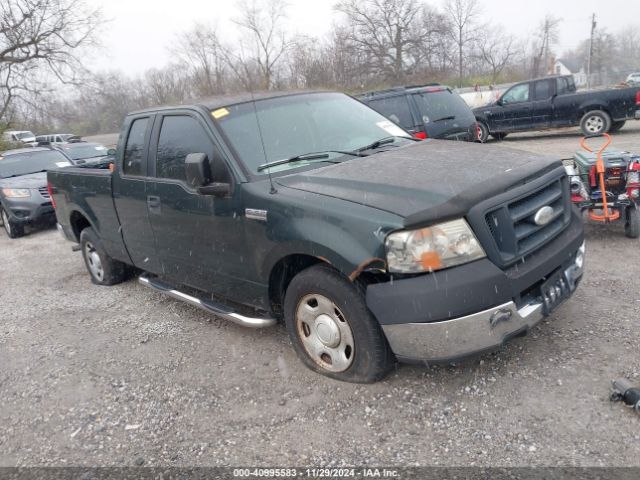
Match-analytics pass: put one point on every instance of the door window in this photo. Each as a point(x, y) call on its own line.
point(542, 90)
point(395, 109)
point(179, 136)
point(519, 93)
point(134, 148)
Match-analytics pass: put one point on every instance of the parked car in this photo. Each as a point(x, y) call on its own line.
point(85, 152)
point(634, 78)
point(24, 198)
point(19, 136)
point(553, 102)
point(427, 111)
point(315, 209)
point(56, 138)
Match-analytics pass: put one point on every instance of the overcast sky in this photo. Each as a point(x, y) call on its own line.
point(140, 32)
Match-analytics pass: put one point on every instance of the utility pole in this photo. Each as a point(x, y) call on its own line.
point(593, 30)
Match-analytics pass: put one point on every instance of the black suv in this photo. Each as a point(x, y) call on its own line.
point(427, 111)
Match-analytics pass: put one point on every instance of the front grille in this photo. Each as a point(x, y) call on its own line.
point(44, 192)
point(512, 224)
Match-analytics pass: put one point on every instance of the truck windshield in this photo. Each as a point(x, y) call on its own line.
point(31, 162)
point(274, 129)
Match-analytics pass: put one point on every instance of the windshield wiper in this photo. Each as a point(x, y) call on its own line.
point(445, 118)
point(384, 141)
point(308, 156)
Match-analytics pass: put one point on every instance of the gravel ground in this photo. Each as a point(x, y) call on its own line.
point(124, 376)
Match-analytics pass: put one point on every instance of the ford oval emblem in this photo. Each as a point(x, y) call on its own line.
point(543, 216)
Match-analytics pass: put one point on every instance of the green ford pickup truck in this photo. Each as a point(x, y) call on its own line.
point(313, 209)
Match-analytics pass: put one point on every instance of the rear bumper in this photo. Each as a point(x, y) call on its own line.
point(637, 116)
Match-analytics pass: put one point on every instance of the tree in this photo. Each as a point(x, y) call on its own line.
point(463, 17)
point(390, 33)
point(547, 37)
point(496, 50)
point(38, 39)
point(267, 42)
point(201, 51)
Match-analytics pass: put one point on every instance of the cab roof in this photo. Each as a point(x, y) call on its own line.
point(213, 103)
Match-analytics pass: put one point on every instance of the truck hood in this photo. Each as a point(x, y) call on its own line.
point(33, 180)
point(430, 180)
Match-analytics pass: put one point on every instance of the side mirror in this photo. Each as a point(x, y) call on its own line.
point(197, 169)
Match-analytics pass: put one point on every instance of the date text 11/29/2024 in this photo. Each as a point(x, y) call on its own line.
point(315, 473)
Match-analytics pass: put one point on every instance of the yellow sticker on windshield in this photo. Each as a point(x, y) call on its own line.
point(219, 113)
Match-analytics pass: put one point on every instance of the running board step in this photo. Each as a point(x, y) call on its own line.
point(208, 305)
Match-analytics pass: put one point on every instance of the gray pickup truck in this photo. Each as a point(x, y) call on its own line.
point(314, 209)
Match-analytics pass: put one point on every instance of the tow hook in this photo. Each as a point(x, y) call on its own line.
point(76, 248)
point(624, 391)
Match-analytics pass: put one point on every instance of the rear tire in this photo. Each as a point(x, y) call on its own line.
point(616, 126)
point(595, 122)
point(12, 229)
point(331, 328)
point(632, 222)
point(103, 269)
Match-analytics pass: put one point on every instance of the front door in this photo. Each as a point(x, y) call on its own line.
point(515, 109)
point(199, 238)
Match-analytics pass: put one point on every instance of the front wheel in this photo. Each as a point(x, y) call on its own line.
point(595, 122)
point(331, 328)
point(632, 222)
point(103, 269)
point(13, 229)
point(616, 126)
point(483, 132)
point(499, 136)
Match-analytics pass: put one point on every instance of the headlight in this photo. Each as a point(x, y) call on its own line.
point(16, 192)
point(428, 249)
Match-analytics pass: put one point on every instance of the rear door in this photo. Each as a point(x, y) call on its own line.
point(445, 114)
point(542, 105)
point(199, 238)
point(130, 193)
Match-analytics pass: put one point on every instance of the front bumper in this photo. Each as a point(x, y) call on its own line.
point(467, 310)
point(29, 210)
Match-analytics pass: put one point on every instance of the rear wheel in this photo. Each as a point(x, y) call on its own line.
point(331, 328)
point(595, 122)
point(632, 222)
point(13, 229)
point(103, 269)
point(615, 126)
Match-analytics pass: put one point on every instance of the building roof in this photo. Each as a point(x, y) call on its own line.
point(573, 65)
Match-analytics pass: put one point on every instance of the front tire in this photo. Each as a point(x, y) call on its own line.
point(499, 136)
point(103, 269)
point(332, 330)
point(595, 122)
point(483, 132)
point(13, 229)
point(616, 126)
point(632, 222)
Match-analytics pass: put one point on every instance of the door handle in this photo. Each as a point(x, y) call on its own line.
point(153, 203)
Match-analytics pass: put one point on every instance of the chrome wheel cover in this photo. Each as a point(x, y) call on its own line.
point(5, 222)
point(93, 261)
point(325, 333)
point(594, 124)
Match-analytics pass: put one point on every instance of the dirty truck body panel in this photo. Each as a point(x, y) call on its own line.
point(339, 212)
